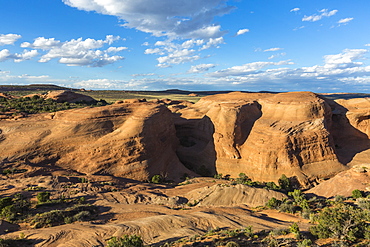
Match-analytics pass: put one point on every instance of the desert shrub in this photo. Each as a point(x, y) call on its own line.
point(14, 242)
point(273, 203)
point(248, 231)
point(299, 199)
point(341, 221)
point(294, 228)
point(82, 216)
point(279, 231)
point(305, 243)
point(6, 201)
point(43, 197)
point(9, 212)
point(363, 203)
point(156, 179)
point(287, 206)
point(232, 244)
point(126, 241)
point(284, 182)
point(306, 213)
point(357, 194)
point(242, 179)
point(339, 198)
point(271, 186)
point(69, 215)
point(34, 188)
point(12, 207)
point(47, 219)
point(218, 176)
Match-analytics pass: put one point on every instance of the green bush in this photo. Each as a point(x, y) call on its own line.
point(272, 186)
point(6, 201)
point(11, 208)
point(363, 203)
point(304, 243)
point(273, 203)
point(341, 222)
point(357, 194)
point(43, 197)
point(69, 215)
point(284, 182)
point(126, 241)
point(294, 228)
point(156, 179)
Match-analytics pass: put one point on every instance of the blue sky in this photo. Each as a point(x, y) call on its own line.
point(250, 45)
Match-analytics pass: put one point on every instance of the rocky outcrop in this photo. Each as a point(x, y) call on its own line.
point(356, 178)
point(263, 135)
point(232, 195)
point(68, 96)
point(266, 135)
point(128, 140)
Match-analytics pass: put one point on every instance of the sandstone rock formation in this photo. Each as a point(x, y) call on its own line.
point(128, 140)
point(356, 178)
point(265, 135)
point(68, 96)
point(62, 96)
point(232, 195)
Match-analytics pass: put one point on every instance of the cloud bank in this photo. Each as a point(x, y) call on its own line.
point(180, 18)
point(75, 52)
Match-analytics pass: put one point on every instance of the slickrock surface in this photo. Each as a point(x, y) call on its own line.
point(127, 140)
point(265, 135)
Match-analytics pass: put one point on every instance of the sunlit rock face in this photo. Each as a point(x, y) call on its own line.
point(299, 134)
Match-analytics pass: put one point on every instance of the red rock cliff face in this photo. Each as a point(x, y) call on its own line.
point(262, 135)
point(265, 135)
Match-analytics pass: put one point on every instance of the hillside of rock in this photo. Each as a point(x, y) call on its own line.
point(264, 135)
point(127, 140)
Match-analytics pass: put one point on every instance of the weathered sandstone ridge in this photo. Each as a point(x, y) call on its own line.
point(62, 96)
point(128, 140)
point(265, 135)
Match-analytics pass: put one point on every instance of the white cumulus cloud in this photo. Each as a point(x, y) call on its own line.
point(180, 18)
point(317, 17)
point(188, 51)
point(295, 10)
point(345, 20)
point(5, 54)
point(273, 49)
point(9, 39)
point(42, 43)
point(78, 52)
point(200, 68)
point(242, 31)
point(249, 68)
